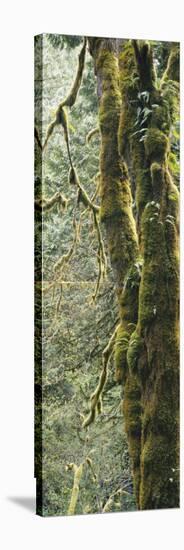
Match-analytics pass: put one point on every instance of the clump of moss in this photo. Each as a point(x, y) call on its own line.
point(134, 350)
point(161, 118)
point(152, 230)
point(120, 353)
point(157, 178)
point(156, 145)
point(117, 199)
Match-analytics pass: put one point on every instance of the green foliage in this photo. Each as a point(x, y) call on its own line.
point(61, 41)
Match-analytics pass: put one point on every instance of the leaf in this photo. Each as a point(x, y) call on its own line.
point(146, 111)
point(142, 138)
point(139, 131)
point(144, 95)
point(138, 112)
point(169, 221)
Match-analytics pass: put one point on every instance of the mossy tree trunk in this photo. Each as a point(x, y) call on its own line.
point(146, 348)
point(117, 217)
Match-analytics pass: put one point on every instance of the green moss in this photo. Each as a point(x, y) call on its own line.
point(145, 65)
point(116, 200)
point(134, 350)
point(146, 357)
point(132, 411)
point(128, 300)
point(161, 117)
point(120, 354)
point(173, 67)
point(157, 178)
point(160, 444)
point(158, 311)
point(152, 230)
point(174, 166)
point(156, 145)
point(128, 82)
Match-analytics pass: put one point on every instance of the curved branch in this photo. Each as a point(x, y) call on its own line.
point(96, 403)
point(71, 97)
point(172, 71)
point(44, 204)
point(91, 134)
point(61, 117)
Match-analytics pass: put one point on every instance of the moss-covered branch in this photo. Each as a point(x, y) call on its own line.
point(172, 71)
point(83, 196)
point(96, 401)
point(91, 134)
point(72, 95)
point(44, 204)
point(63, 261)
point(61, 118)
point(75, 489)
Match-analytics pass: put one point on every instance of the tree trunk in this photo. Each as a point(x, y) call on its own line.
point(146, 348)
